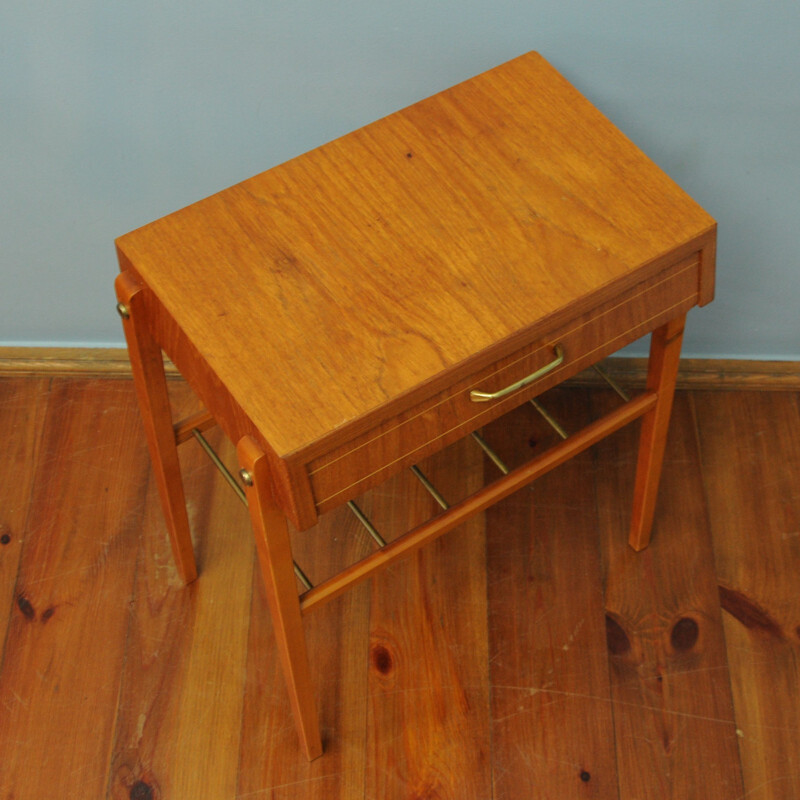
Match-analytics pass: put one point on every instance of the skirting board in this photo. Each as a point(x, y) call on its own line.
point(694, 373)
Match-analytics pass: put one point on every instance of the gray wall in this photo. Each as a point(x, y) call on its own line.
point(113, 114)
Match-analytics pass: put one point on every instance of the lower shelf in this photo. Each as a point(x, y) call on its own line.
point(477, 502)
point(449, 516)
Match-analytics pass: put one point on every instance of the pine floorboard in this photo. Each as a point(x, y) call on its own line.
point(22, 408)
point(527, 654)
point(66, 637)
point(551, 701)
point(182, 688)
point(750, 446)
point(674, 725)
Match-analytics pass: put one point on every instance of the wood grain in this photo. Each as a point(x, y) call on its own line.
point(22, 410)
point(665, 351)
point(147, 365)
point(429, 716)
point(66, 637)
point(750, 444)
point(377, 255)
point(424, 428)
point(337, 636)
point(674, 727)
point(117, 692)
point(274, 548)
point(183, 684)
point(551, 695)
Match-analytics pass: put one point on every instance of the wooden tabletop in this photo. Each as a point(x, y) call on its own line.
point(406, 252)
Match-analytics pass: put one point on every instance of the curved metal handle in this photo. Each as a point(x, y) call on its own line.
point(485, 397)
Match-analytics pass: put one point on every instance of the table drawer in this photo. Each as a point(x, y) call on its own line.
point(444, 417)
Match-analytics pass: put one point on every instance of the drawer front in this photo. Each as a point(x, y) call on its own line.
point(446, 416)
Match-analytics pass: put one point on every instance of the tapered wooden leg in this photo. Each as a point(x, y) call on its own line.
point(665, 353)
point(147, 365)
point(275, 557)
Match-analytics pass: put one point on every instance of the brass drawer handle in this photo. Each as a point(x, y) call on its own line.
point(484, 397)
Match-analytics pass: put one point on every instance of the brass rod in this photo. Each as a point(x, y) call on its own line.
point(484, 445)
point(611, 382)
point(480, 501)
point(234, 484)
point(549, 417)
point(366, 522)
point(432, 490)
point(301, 576)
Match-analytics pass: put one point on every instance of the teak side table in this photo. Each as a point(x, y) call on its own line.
point(362, 306)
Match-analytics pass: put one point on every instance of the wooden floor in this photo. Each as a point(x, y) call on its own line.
point(528, 654)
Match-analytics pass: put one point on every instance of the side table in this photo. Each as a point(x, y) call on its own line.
point(362, 306)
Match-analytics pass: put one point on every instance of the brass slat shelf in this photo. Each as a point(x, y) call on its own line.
point(452, 515)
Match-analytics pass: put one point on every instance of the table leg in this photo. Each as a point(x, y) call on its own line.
point(665, 352)
point(275, 556)
point(147, 365)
